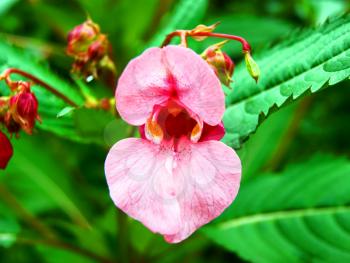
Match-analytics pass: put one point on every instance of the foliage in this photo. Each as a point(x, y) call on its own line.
point(306, 62)
point(308, 220)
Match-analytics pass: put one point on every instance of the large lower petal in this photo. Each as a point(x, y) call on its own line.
point(142, 184)
point(172, 72)
point(172, 193)
point(213, 172)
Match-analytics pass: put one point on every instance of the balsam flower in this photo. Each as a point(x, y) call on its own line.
point(178, 176)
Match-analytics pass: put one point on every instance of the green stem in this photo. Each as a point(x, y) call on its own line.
point(24, 214)
point(64, 246)
point(123, 238)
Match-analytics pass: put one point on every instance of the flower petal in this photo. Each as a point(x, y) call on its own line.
point(172, 193)
point(142, 184)
point(141, 86)
point(213, 172)
point(152, 78)
point(197, 85)
point(213, 132)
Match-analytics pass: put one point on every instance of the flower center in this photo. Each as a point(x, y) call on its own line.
point(171, 123)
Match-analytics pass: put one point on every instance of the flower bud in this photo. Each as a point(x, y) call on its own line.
point(221, 63)
point(81, 37)
point(88, 46)
point(23, 108)
point(6, 150)
point(252, 66)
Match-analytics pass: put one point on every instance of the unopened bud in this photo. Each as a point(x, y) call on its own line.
point(252, 66)
point(23, 108)
point(81, 37)
point(88, 46)
point(221, 63)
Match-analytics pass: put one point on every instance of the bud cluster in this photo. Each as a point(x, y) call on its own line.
point(90, 49)
point(18, 112)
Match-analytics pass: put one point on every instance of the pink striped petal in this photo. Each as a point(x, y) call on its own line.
point(197, 85)
point(172, 193)
point(141, 86)
point(213, 172)
point(160, 74)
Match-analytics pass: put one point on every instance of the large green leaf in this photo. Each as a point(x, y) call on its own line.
point(306, 62)
point(301, 215)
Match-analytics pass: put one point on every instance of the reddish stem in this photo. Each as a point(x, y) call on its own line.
point(43, 84)
point(170, 36)
point(245, 44)
point(183, 34)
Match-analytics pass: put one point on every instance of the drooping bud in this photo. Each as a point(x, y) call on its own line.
point(221, 63)
point(23, 108)
point(90, 49)
point(6, 150)
point(252, 66)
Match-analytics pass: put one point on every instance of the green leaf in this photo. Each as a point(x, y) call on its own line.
point(9, 229)
point(258, 30)
point(40, 181)
point(5, 5)
point(301, 215)
point(259, 149)
point(186, 15)
point(304, 63)
point(65, 111)
point(92, 125)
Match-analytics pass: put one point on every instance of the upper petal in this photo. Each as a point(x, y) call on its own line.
point(152, 78)
point(198, 87)
point(142, 85)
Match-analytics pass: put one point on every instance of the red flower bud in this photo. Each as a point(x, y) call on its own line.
point(221, 63)
point(81, 37)
point(88, 46)
point(23, 108)
point(6, 150)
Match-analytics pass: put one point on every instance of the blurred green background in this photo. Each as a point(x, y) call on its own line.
point(54, 202)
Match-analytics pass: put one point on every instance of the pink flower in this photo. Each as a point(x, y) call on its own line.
point(178, 176)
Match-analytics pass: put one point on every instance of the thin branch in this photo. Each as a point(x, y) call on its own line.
point(24, 214)
point(183, 34)
point(43, 84)
point(64, 246)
